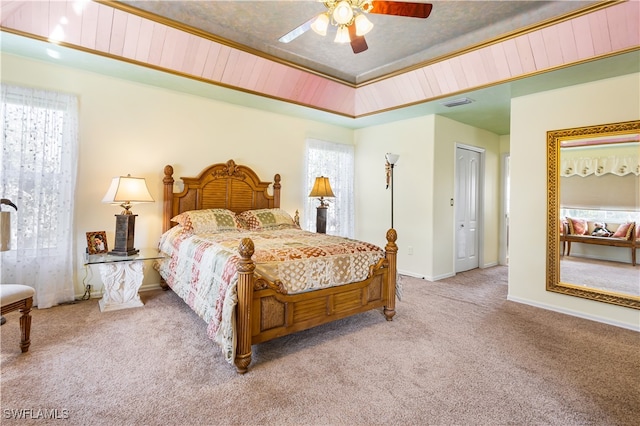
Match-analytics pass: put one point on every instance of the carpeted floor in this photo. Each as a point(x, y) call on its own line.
point(601, 274)
point(457, 353)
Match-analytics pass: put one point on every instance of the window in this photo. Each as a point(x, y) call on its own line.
point(601, 215)
point(38, 166)
point(335, 161)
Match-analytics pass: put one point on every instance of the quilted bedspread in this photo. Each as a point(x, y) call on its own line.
point(201, 269)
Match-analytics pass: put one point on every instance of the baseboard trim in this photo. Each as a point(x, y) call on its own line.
point(425, 277)
point(443, 276)
point(97, 293)
point(411, 274)
point(573, 313)
point(150, 287)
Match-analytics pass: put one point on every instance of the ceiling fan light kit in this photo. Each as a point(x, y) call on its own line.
point(343, 14)
point(342, 35)
point(349, 17)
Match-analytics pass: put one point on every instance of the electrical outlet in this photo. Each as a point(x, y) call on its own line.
point(410, 250)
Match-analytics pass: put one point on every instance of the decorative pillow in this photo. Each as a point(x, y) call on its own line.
point(256, 220)
point(208, 220)
point(624, 231)
point(577, 226)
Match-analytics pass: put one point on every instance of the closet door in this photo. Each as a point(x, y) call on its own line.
point(467, 209)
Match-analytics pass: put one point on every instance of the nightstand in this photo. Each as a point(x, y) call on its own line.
point(122, 277)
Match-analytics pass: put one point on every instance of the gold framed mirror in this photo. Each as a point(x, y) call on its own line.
point(581, 213)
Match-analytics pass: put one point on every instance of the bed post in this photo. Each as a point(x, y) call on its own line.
point(276, 190)
point(167, 207)
point(391, 252)
point(243, 309)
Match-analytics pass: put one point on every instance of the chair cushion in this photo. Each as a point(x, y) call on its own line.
point(11, 293)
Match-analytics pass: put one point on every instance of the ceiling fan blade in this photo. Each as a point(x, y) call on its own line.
point(297, 32)
point(413, 10)
point(358, 43)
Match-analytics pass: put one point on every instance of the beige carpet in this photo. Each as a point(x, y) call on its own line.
point(457, 353)
point(601, 274)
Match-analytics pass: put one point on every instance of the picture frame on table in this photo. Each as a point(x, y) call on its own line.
point(97, 242)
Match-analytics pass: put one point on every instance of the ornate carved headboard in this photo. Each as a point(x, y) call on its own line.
point(223, 186)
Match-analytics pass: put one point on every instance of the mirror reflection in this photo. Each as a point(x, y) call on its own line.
point(594, 205)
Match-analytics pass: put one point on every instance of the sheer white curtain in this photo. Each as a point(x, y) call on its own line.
point(335, 161)
point(38, 167)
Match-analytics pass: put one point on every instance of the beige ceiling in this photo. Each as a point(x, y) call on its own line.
point(395, 43)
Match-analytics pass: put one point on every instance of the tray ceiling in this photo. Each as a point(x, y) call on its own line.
point(490, 51)
point(395, 43)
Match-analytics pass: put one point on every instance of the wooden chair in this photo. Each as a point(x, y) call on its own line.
point(14, 297)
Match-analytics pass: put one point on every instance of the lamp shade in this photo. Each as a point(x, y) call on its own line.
point(392, 158)
point(342, 35)
point(127, 190)
point(320, 24)
point(321, 188)
point(343, 13)
point(363, 25)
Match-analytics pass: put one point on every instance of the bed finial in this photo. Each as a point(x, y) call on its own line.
point(276, 190)
point(392, 235)
point(246, 250)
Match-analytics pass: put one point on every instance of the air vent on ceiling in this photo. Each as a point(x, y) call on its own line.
point(457, 102)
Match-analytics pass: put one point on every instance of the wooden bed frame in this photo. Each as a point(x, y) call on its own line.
point(264, 310)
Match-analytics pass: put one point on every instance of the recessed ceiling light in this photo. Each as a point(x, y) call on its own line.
point(456, 102)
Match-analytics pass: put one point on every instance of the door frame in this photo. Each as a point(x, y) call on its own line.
point(505, 189)
point(482, 152)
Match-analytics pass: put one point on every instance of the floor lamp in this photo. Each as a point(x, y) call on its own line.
point(392, 159)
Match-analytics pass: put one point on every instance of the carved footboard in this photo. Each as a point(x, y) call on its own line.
point(265, 311)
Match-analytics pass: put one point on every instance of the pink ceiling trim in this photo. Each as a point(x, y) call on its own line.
point(604, 32)
point(101, 29)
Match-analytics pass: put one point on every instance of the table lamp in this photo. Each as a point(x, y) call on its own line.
point(321, 188)
point(126, 191)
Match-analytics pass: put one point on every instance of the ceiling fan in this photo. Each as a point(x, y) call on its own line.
point(349, 17)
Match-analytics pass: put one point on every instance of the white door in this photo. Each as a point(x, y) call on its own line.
point(467, 209)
